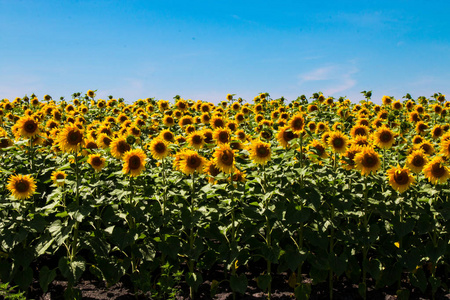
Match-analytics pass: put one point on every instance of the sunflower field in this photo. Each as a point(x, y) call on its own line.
point(320, 188)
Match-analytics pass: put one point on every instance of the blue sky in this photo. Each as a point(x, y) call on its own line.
point(206, 49)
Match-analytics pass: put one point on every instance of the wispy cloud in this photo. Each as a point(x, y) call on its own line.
point(334, 78)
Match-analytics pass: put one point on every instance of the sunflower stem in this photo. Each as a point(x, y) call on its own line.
point(191, 236)
point(74, 246)
point(365, 247)
point(233, 230)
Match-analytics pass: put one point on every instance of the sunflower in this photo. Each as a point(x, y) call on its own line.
point(360, 140)
point(96, 161)
point(386, 100)
point(285, 135)
point(445, 148)
point(217, 122)
point(70, 139)
point(222, 135)
point(397, 105)
point(205, 118)
point(400, 178)
point(437, 132)
point(28, 127)
point(104, 140)
point(238, 176)
point(119, 147)
point(421, 127)
point(318, 149)
point(167, 135)
point(338, 141)
point(21, 186)
point(416, 160)
point(416, 140)
point(159, 148)
point(196, 139)
point(361, 130)
point(134, 162)
point(241, 135)
point(224, 158)
point(348, 158)
point(185, 120)
point(297, 123)
point(367, 161)
point(384, 137)
point(211, 169)
point(260, 152)
point(427, 147)
point(58, 177)
point(436, 171)
point(5, 142)
point(189, 162)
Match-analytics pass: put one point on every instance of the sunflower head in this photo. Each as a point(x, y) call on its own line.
point(222, 135)
point(224, 158)
point(436, 171)
point(28, 127)
point(416, 160)
point(400, 178)
point(58, 177)
point(367, 161)
point(285, 135)
point(384, 137)
point(134, 162)
point(159, 148)
point(96, 161)
point(189, 162)
point(297, 123)
point(119, 147)
point(21, 186)
point(70, 139)
point(260, 152)
point(338, 141)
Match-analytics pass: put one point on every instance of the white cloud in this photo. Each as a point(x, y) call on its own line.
point(334, 78)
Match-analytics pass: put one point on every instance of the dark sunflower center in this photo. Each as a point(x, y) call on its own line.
point(60, 176)
point(227, 157)
point(426, 147)
point(208, 138)
point(197, 139)
point(168, 136)
point(107, 141)
point(437, 131)
point(401, 178)
point(91, 145)
point(74, 137)
point(422, 127)
point(30, 126)
point(385, 137)
point(262, 151)
point(4, 143)
point(418, 161)
point(218, 123)
point(223, 137)
point(123, 147)
point(96, 161)
point(338, 142)
point(193, 162)
point(213, 171)
point(297, 124)
point(160, 148)
point(360, 131)
point(369, 161)
point(134, 162)
point(437, 170)
point(288, 135)
point(22, 186)
point(320, 149)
